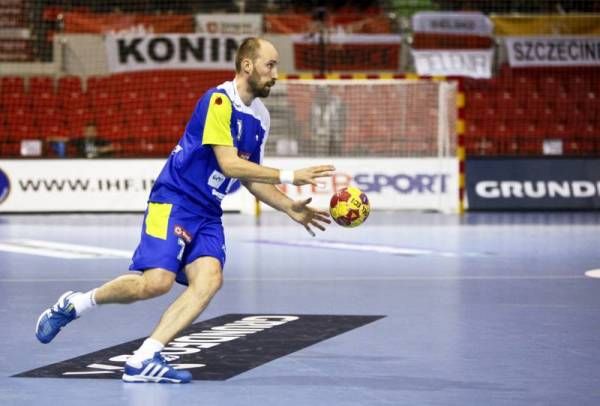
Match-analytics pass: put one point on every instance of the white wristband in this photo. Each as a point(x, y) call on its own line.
point(286, 176)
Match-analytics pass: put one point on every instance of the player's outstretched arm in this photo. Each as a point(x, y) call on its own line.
point(298, 210)
point(235, 167)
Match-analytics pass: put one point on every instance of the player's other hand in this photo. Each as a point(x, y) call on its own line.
point(308, 216)
point(309, 176)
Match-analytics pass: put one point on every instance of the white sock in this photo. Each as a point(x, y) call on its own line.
point(83, 301)
point(149, 347)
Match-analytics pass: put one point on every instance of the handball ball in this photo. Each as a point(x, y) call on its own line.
point(349, 207)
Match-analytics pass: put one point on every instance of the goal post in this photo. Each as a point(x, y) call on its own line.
point(397, 135)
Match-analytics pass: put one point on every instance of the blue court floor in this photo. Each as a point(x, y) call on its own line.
point(487, 309)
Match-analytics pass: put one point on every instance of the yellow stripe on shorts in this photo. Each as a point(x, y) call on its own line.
point(157, 220)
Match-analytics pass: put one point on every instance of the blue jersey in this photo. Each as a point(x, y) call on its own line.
point(191, 176)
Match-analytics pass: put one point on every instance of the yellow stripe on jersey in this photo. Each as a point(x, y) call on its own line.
point(157, 220)
point(217, 127)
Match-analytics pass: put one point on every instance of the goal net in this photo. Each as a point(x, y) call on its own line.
point(403, 131)
point(362, 118)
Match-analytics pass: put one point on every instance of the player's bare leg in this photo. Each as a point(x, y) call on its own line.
point(205, 279)
point(147, 365)
point(133, 287)
point(124, 289)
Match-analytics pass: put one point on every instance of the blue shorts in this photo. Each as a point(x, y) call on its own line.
point(173, 237)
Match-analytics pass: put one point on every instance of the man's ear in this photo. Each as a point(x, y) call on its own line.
point(247, 65)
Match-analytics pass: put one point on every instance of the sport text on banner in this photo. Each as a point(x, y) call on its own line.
point(171, 51)
point(469, 63)
point(553, 51)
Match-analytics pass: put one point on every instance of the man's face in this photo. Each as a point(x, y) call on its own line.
point(264, 72)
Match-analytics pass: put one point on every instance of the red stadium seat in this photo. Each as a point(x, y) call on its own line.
point(576, 115)
point(590, 101)
point(48, 116)
point(44, 100)
point(17, 117)
point(54, 130)
point(132, 99)
point(12, 84)
point(109, 116)
point(578, 84)
point(94, 84)
point(113, 132)
point(535, 102)
point(9, 149)
point(22, 131)
point(69, 84)
point(559, 130)
point(138, 117)
point(10, 102)
point(41, 84)
point(171, 132)
point(76, 117)
point(588, 130)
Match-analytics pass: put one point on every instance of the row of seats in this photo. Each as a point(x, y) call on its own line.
point(147, 109)
point(519, 109)
point(121, 106)
point(525, 146)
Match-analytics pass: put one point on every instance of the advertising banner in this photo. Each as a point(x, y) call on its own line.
point(390, 183)
point(171, 51)
point(83, 185)
point(231, 24)
point(15, 50)
point(297, 23)
point(348, 53)
point(553, 51)
point(551, 24)
point(473, 23)
point(97, 23)
point(533, 184)
point(469, 63)
point(113, 185)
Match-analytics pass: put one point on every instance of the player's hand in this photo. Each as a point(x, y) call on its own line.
point(308, 216)
point(309, 176)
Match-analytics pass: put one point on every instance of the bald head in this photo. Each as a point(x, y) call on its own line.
point(251, 48)
point(256, 67)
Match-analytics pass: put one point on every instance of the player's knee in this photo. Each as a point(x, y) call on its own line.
point(156, 289)
point(157, 284)
point(208, 280)
point(214, 279)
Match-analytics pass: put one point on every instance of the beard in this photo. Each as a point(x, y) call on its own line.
point(257, 88)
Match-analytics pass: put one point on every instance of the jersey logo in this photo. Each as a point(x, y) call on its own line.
point(216, 179)
point(218, 100)
point(182, 233)
point(177, 149)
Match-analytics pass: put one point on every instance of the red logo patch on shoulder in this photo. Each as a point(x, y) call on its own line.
point(218, 100)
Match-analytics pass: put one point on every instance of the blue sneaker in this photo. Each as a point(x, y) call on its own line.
point(157, 370)
point(55, 318)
